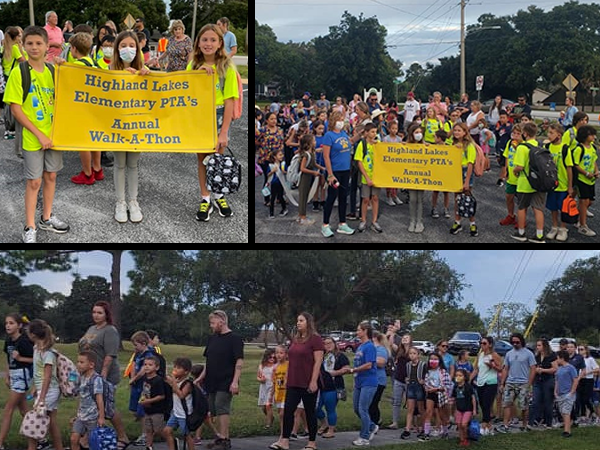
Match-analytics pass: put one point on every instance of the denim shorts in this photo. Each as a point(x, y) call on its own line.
point(178, 423)
point(414, 391)
point(20, 380)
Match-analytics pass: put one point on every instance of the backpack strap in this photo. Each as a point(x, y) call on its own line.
point(86, 62)
point(182, 400)
point(26, 76)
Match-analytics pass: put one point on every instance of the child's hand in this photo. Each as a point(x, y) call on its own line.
point(45, 141)
point(144, 71)
point(101, 422)
point(208, 69)
point(131, 70)
point(58, 60)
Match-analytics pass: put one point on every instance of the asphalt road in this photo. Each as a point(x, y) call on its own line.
point(395, 220)
point(169, 196)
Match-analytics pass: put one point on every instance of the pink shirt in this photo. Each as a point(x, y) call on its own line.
point(55, 36)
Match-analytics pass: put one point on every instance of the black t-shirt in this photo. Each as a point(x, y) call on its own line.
point(545, 363)
point(153, 387)
point(25, 348)
point(146, 49)
point(464, 397)
point(222, 351)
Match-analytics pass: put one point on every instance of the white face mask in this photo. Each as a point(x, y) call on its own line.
point(339, 125)
point(418, 136)
point(480, 126)
point(127, 54)
point(108, 52)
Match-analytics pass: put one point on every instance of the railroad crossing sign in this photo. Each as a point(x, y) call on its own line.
point(570, 82)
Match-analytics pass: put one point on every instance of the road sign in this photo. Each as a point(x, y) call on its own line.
point(129, 21)
point(570, 82)
point(479, 83)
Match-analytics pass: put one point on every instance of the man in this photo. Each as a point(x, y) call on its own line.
point(224, 355)
point(521, 109)
point(139, 26)
point(464, 107)
point(228, 37)
point(569, 113)
point(55, 36)
point(411, 108)
point(323, 103)
point(372, 101)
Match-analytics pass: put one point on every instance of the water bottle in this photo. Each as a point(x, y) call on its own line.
point(73, 377)
point(29, 396)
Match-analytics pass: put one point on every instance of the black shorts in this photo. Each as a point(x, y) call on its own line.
point(586, 191)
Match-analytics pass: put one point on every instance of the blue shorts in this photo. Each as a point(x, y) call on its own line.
point(464, 172)
point(554, 200)
point(178, 423)
point(414, 391)
point(20, 380)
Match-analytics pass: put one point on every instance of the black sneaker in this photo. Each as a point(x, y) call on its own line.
point(405, 435)
point(224, 209)
point(43, 444)
point(519, 237)
point(566, 435)
point(204, 211)
point(473, 229)
point(537, 240)
point(456, 227)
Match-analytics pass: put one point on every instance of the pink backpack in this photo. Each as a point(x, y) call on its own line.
point(479, 166)
point(238, 102)
point(68, 377)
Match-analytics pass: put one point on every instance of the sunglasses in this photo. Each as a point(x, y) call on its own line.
point(515, 342)
point(444, 346)
point(484, 343)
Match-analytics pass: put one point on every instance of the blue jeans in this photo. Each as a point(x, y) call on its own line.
point(543, 401)
point(329, 400)
point(362, 400)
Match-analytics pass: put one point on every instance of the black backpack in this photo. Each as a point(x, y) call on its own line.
point(195, 418)
point(543, 174)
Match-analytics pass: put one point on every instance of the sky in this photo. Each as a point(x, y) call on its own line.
point(423, 31)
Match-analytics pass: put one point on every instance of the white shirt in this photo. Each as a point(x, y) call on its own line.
point(411, 108)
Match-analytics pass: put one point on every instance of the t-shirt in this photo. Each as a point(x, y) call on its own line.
point(153, 387)
point(230, 89)
point(411, 108)
point(331, 362)
point(221, 353)
point(519, 363)
point(464, 397)
point(40, 360)
point(279, 384)
point(366, 353)
point(469, 155)
point(565, 375)
point(545, 363)
point(25, 348)
point(340, 150)
point(557, 154)
point(38, 106)
point(430, 126)
point(103, 342)
point(88, 408)
point(230, 41)
point(7, 64)
point(522, 160)
point(586, 159)
point(367, 159)
point(302, 360)
point(509, 153)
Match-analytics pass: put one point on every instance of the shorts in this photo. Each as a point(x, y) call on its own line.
point(40, 161)
point(369, 191)
point(511, 189)
point(464, 175)
point(414, 391)
point(433, 396)
point(84, 426)
point(463, 417)
point(154, 423)
point(586, 191)
point(537, 200)
point(52, 397)
point(554, 200)
point(20, 380)
point(219, 403)
point(565, 403)
point(178, 423)
point(518, 392)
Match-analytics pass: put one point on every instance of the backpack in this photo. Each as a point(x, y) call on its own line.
point(108, 395)
point(223, 173)
point(294, 172)
point(238, 102)
point(68, 377)
point(474, 432)
point(87, 63)
point(466, 204)
point(479, 166)
point(103, 438)
point(569, 211)
point(195, 418)
point(543, 174)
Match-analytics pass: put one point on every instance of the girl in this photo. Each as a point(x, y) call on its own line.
point(464, 363)
point(107, 52)
point(465, 405)
point(309, 168)
point(487, 141)
point(463, 141)
point(585, 166)
point(127, 57)
point(431, 124)
point(44, 378)
point(437, 385)
point(265, 392)
point(19, 354)
point(275, 184)
point(415, 136)
point(319, 128)
point(415, 395)
point(210, 56)
point(392, 194)
point(279, 385)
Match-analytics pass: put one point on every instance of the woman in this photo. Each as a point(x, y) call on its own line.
point(179, 48)
point(103, 340)
point(331, 382)
point(474, 118)
point(305, 357)
point(585, 390)
point(543, 386)
point(399, 378)
point(382, 347)
point(440, 108)
point(494, 112)
point(489, 364)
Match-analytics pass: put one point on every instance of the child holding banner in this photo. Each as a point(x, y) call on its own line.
point(364, 155)
point(415, 136)
point(210, 55)
point(464, 142)
point(35, 113)
point(127, 57)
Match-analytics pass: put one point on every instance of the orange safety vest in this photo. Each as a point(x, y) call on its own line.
point(162, 45)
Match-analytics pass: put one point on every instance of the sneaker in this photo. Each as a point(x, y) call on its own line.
point(82, 178)
point(508, 220)
point(197, 441)
point(326, 231)
point(375, 227)
point(360, 442)
point(446, 213)
point(536, 239)
point(419, 227)
point(519, 237)
point(411, 227)
point(204, 211)
point(552, 233)
point(224, 209)
point(390, 201)
point(30, 236)
point(283, 213)
point(345, 229)
point(135, 214)
point(362, 227)
point(43, 444)
point(423, 437)
point(589, 213)
point(456, 228)
point(500, 182)
point(99, 176)
point(121, 212)
point(586, 231)
point(306, 221)
point(473, 230)
point(435, 214)
point(502, 429)
point(53, 224)
point(352, 216)
point(140, 441)
point(374, 432)
point(405, 434)
point(566, 435)
point(397, 201)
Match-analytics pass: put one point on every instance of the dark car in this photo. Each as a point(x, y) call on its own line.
point(464, 340)
point(594, 351)
point(348, 345)
point(502, 347)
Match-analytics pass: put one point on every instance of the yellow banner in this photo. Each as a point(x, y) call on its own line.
point(418, 166)
point(117, 111)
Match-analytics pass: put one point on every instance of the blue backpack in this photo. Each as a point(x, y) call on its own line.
point(474, 433)
point(103, 438)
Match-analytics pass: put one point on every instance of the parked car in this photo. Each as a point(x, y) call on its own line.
point(555, 343)
point(425, 347)
point(594, 351)
point(502, 347)
point(465, 340)
point(348, 345)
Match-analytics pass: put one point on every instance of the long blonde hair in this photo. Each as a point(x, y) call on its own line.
point(10, 39)
point(42, 334)
point(222, 60)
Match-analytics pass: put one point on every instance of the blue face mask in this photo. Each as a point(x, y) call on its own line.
point(127, 54)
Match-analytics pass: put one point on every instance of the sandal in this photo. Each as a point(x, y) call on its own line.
point(276, 446)
point(122, 445)
point(328, 435)
point(322, 430)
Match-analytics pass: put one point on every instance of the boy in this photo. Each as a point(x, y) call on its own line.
point(35, 114)
point(90, 413)
point(364, 156)
point(564, 163)
point(526, 195)
point(585, 158)
point(508, 156)
point(182, 392)
point(152, 400)
point(503, 135)
point(565, 389)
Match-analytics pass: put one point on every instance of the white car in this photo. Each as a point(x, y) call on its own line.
point(424, 347)
point(555, 343)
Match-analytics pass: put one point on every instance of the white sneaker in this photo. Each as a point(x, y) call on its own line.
point(121, 212)
point(563, 235)
point(397, 200)
point(374, 432)
point(360, 442)
point(390, 201)
point(135, 213)
point(552, 233)
point(419, 227)
point(411, 227)
point(589, 213)
point(29, 235)
point(586, 231)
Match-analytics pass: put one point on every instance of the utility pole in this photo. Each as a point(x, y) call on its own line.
point(462, 47)
point(31, 19)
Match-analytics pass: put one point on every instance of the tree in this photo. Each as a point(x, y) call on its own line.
point(444, 319)
point(513, 318)
point(209, 11)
